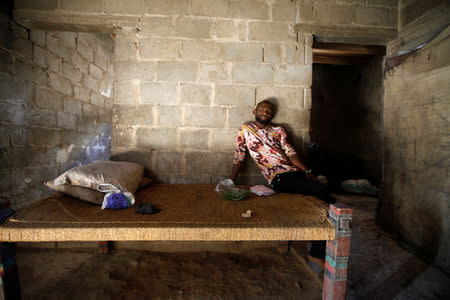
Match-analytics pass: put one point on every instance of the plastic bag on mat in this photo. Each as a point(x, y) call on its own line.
point(359, 186)
point(115, 199)
point(229, 191)
point(262, 190)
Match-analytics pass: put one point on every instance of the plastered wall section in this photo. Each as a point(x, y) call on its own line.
point(55, 107)
point(415, 201)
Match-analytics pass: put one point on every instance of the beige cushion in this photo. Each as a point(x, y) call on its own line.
point(82, 182)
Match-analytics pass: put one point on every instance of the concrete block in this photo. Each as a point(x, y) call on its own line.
point(308, 55)
point(214, 72)
point(60, 84)
point(246, 52)
point(295, 53)
point(235, 95)
point(390, 3)
point(43, 4)
point(156, 138)
point(127, 70)
point(307, 98)
point(210, 8)
point(38, 37)
point(287, 97)
point(186, 179)
point(133, 115)
point(192, 28)
point(79, 62)
point(102, 58)
point(72, 105)
point(159, 49)
point(168, 162)
point(194, 139)
point(119, 7)
point(284, 11)
point(71, 73)
point(229, 30)
point(127, 92)
point(40, 57)
point(223, 139)
point(293, 74)
point(306, 11)
point(90, 111)
point(268, 32)
point(202, 50)
point(273, 53)
point(39, 76)
point(95, 71)
point(156, 26)
point(159, 93)
point(177, 71)
point(6, 134)
point(44, 137)
point(238, 116)
point(90, 82)
point(215, 163)
point(97, 99)
point(68, 38)
point(66, 120)
point(84, 50)
point(250, 9)
point(329, 14)
point(81, 5)
point(47, 98)
point(126, 48)
point(81, 93)
point(209, 117)
point(167, 7)
point(143, 158)
point(378, 16)
point(292, 116)
point(123, 137)
point(196, 94)
point(58, 48)
point(40, 117)
point(252, 73)
point(169, 116)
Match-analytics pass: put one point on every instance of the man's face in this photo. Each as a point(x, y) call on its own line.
point(263, 113)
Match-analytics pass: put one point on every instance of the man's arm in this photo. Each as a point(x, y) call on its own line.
point(296, 162)
point(241, 149)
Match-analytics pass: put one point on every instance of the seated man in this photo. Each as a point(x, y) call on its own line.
point(275, 157)
point(278, 162)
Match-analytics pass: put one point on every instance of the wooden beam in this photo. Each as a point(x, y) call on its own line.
point(334, 49)
point(341, 60)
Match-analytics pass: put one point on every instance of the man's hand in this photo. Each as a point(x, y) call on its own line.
point(235, 171)
point(310, 176)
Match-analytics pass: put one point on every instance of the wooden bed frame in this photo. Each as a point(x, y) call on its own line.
point(193, 213)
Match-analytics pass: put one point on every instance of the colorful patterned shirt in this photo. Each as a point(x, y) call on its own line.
point(268, 147)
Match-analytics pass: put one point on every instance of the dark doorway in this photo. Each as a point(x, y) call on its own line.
point(346, 115)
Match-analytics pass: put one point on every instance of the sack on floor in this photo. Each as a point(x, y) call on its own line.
point(359, 186)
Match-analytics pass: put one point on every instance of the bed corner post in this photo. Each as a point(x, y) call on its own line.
point(337, 253)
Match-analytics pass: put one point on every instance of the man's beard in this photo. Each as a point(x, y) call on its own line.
point(264, 122)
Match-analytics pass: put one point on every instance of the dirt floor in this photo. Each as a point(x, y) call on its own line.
point(379, 268)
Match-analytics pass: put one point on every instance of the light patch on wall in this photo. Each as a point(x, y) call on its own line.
point(107, 92)
point(61, 156)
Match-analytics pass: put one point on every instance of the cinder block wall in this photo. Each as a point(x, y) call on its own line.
point(190, 73)
point(415, 201)
point(55, 106)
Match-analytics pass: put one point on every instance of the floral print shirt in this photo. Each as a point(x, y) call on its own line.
point(268, 147)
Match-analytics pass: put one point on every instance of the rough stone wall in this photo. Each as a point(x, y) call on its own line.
point(415, 201)
point(55, 106)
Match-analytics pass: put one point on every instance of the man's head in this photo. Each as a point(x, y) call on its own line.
point(264, 112)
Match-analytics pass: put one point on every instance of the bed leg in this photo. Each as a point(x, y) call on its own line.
point(103, 247)
point(9, 275)
point(337, 253)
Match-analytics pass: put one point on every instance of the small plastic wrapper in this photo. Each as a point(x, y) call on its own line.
point(228, 191)
point(261, 190)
